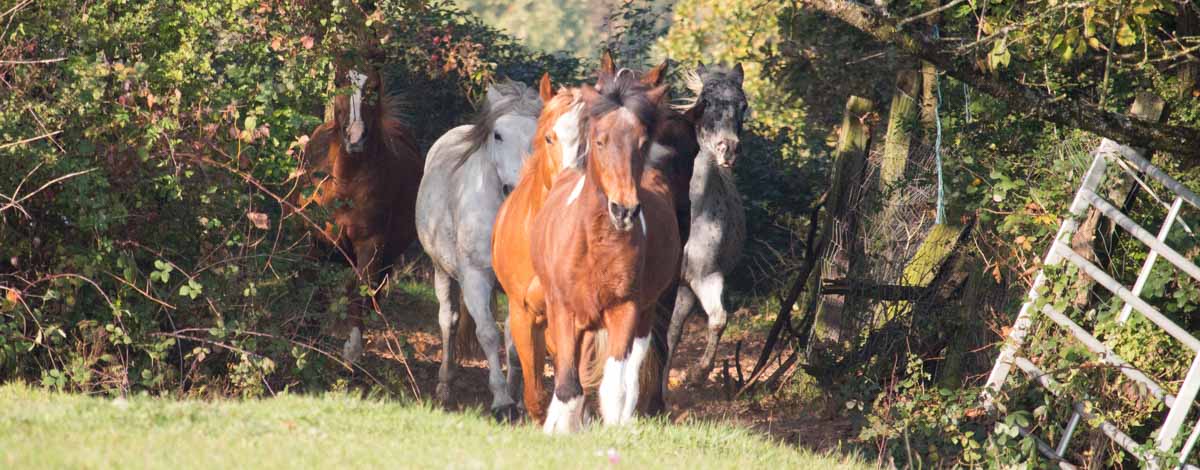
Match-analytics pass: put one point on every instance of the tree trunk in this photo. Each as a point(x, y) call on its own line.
point(840, 225)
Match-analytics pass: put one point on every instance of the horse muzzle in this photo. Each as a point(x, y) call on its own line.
point(622, 217)
point(726, 151)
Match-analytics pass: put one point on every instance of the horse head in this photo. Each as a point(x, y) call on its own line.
point(621, 116)
point(720, 111)
point(354, 112)
point(505, 129)
point(558, 130)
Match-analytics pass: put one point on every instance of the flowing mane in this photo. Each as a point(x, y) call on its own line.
point(694, 84)
point(512, 98)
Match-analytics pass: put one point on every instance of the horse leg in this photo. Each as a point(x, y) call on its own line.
point(685, 304)
point(530, 343)
point(512, 363)
point(710, 290)
point(619, 387)
point(366, 255)
point(566, 409)
point(477, 289)
point(447, 294)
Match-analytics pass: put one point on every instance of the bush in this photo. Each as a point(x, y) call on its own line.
point(142, 240)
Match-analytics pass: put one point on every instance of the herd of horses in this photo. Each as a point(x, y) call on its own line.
point(594, 207)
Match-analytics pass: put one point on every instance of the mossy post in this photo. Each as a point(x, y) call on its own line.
point(839, 222)
point(901, 120)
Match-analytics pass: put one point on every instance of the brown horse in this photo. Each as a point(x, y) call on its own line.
point(364, 168)
point(605, 246)
point(555, 145)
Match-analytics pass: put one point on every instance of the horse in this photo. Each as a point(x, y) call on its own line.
point(554, 148)
point(468, 173)
point(605, 246)
point(364, 168)
point(718, 220)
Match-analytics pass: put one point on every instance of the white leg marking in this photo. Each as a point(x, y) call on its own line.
point(611, 391)
point(575, 192)
point(564, 418)
point(637, 355)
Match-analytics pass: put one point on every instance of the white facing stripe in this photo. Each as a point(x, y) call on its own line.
point(642, 217)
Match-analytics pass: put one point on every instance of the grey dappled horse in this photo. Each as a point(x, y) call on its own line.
point(718, 220)
point(468, 172)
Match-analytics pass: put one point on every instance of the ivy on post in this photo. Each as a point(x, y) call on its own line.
point(839, 222)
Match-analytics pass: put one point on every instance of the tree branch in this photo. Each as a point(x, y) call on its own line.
point(1180, 141)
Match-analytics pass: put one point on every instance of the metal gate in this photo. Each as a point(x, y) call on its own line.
point(1180, 402)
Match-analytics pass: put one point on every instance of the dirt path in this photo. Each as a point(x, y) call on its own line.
point(811, 423)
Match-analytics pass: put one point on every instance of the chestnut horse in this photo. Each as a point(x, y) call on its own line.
point(555, 146)
point(605, 246)
point(364, 169)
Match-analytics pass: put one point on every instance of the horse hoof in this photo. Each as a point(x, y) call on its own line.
point(353, 348)
point(443, 393)
point(507, 414)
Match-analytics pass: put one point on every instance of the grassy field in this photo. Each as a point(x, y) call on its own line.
point(40, 429)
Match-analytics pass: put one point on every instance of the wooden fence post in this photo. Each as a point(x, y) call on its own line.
point(839, 226)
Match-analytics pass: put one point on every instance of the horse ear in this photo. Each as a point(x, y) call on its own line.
point(656, 75)
point(545, 89)
point(738, 73)
point(606, 64)
point(656, 94)
point(493, 95)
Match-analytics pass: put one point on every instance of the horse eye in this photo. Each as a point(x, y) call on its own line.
point(498, 137)
point(548, 140)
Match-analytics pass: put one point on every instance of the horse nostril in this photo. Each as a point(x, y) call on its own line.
point(637, 210)
point(507, 189)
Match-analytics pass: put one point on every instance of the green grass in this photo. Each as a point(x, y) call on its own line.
point(42, 429)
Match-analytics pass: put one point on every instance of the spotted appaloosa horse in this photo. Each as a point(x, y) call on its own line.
point(605, 245)
point(718, 220)
point(364, 168)
point(468, 172)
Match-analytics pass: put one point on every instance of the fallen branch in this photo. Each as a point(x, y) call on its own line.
point(783, 318)
point(31, 139)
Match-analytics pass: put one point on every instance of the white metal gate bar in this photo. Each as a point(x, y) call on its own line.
point(1108, 356)
point(1148, 266)
point(1180, 405)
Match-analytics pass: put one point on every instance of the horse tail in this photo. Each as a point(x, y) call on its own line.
point(466, 344)
point(650, 399)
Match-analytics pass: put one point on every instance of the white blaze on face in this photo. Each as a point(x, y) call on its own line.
point(355, 128)
point(566, 127)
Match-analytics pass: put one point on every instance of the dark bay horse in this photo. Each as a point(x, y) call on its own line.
point(364, 169)
point(605, 246)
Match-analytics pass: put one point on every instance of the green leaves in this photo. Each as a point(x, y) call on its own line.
point(162, 272)
point(191, 290)
point(1000, 56)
